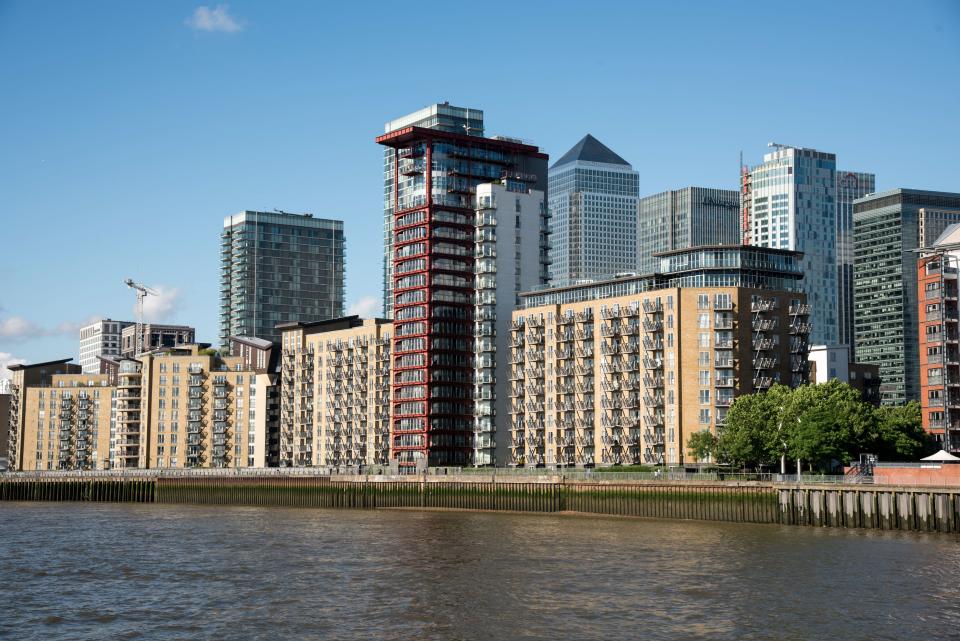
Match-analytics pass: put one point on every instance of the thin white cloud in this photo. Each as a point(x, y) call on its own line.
point(216, 19)
point(19, 328)
point(162, 306)
point(7, 359)
point(365, 307)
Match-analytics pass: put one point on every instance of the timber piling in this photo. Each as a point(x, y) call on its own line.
point(837, 506)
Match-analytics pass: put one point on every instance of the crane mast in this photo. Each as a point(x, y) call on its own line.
point(142, 291)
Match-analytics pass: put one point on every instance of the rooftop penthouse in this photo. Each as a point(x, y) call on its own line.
point(705, 266)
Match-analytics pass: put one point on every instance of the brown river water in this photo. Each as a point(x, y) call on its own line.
point(121, 571)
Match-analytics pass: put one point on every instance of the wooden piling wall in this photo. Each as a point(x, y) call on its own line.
point(871, 507)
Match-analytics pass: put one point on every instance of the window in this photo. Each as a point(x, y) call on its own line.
point(705, 397)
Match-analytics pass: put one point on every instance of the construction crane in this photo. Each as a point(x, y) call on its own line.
point(142, 292)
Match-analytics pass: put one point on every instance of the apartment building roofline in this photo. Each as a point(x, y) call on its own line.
point(342, 322)
point(25, 366)
point(400, 137)
point(771, 250)
point(253, 341)
point(304, 219)
point(655, 278)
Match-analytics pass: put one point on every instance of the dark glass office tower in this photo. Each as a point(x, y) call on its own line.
point(887, 229)
point(277, 267)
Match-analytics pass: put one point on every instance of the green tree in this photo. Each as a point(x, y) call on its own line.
point(780, 416)
point(814, 437)
point(900, 434)
point(826, 422)
point(702, 445)
point(817, 424)
point(743, 440)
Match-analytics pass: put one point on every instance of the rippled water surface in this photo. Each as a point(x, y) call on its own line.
point(82, 571)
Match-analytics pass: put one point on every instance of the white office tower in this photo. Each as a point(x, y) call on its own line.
point(101, 338)
point(511, 257)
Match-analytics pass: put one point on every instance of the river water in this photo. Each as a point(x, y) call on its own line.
point(100, 571)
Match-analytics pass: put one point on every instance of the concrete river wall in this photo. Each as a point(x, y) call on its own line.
point(847, 506)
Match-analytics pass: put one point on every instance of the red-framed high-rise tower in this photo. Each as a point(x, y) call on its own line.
point(434, 178)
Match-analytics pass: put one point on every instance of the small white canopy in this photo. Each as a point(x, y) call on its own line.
point(942, 457)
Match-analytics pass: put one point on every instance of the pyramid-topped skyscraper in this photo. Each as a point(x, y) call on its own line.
point(593, 204)
point(589, 149)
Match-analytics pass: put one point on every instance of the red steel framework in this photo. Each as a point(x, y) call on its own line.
point(434, 289)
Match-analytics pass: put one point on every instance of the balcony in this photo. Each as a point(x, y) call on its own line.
point(723, 304)
point(761, 363)
point(762, 306)
point(652, 325)
point(800, 328)
point(763, 344)
point(652, 363)
point(764, 324)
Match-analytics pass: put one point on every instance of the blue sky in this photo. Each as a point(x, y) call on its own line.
point(128, 130)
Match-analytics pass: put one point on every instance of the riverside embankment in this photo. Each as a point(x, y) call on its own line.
point(846, 506)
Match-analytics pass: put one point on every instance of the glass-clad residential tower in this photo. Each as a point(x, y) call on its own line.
point(887, 229)
point(850, 186)
point(593, 206)
point(435, 180)
point(683, 218)
point(791, 204)
point(277, 267)
point(442, 117)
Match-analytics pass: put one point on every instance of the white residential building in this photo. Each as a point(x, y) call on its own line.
point(101, 338)
point(510, 258)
